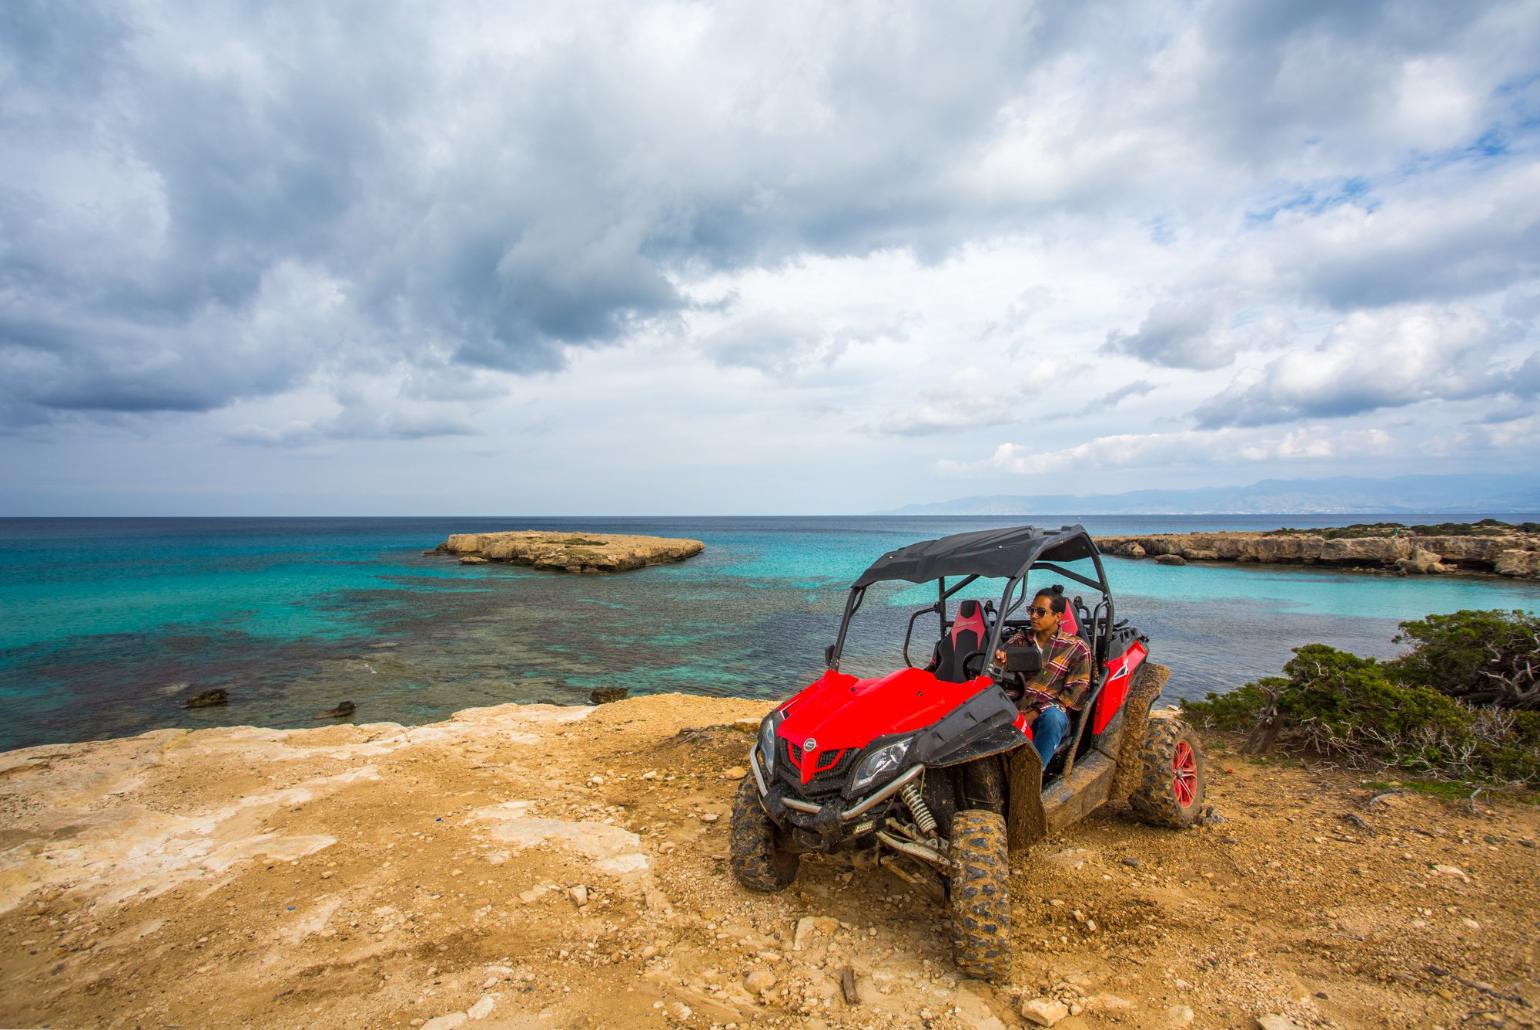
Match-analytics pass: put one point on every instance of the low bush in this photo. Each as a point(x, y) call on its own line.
point(1486, 527)
point(1365, 713)
point(1484, 658)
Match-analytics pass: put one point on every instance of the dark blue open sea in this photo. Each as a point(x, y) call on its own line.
point(109, 624)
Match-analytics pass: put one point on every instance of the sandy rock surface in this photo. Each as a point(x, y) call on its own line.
point(532, 866)
point(570, 552)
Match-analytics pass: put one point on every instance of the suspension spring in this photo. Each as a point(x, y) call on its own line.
point(917, 807)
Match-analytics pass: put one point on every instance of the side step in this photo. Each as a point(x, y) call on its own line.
point(1074, 797)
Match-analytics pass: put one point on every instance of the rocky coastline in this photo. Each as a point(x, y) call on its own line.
point(569, 552)
point(534, 865)
point(1483, 548)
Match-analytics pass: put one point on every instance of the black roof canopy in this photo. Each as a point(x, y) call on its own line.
point(992, 553)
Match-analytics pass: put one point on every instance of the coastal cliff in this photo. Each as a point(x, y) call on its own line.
point(569, 552)
point(530, 865)
point(1488, 547)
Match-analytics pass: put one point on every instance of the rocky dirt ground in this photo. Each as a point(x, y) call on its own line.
point(541, 866)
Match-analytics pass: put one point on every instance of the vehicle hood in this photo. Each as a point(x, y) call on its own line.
point(840, 711)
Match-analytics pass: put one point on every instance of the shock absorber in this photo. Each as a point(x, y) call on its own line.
point(920, 810)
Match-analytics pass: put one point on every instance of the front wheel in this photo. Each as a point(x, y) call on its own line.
point(980, 894)
point(1171, 775)
point(758, 861)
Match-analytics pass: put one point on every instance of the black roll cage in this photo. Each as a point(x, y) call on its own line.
point(1007, 605)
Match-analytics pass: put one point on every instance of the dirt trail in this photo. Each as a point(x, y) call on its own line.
point(540, 866)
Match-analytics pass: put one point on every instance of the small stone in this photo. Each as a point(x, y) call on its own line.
point(596, 780)
point(737, 772)
point(327, 875)
point(758, 981)
point(449, 1022)
point(1274, 1021)
point(1451, 870)
point(1131, 862)
point(1179, 1016)
point(579, 895)
point(802, 934)
point(1043, 1011)
point(709, 817)
point(680, 1011)
point(1108, 1003)
point(1470, 924)
point(650, 774)
point(649, 951)
point(482, 1009)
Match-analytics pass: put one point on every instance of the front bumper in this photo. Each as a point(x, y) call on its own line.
point(830, 823)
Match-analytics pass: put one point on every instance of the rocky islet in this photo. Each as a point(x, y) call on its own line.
point(569, 552)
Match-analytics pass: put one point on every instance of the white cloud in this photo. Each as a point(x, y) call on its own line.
point(1388, 358)
point(1187, 448)
point(841, 245)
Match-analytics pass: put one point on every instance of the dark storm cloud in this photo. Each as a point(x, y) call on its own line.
point(220, 201)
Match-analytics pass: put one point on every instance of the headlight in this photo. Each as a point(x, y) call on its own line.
point(767, 739)
point(880, 764)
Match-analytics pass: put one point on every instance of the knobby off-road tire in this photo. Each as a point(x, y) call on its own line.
point(757, 860)
point(1171, 775)
point(980, 895)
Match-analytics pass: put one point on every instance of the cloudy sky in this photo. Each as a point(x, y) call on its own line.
point(788, 258)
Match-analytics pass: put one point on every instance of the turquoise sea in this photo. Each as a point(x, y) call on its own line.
point(107, 625)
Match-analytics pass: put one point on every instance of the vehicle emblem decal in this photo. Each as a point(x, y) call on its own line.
point(809, 746)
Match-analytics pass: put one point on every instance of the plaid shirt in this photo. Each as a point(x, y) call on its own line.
point(1066, 672)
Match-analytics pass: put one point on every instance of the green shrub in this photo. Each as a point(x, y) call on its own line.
point(1484, 658)
point(1353, 709)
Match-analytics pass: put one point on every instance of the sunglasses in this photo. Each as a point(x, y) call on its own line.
point(1041, 613)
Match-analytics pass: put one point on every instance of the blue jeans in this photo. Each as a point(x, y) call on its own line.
point(1047, 730)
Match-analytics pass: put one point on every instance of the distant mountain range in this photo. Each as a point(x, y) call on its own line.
point(1345, 495)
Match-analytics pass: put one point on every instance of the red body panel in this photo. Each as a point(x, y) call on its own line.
point(840, 711)
point(1120, 674)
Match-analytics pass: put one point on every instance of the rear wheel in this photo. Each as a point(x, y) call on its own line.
point(754, 851)
point(1171, 775)
point(980, 894)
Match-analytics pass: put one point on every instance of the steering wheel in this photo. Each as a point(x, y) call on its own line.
point(968, 658)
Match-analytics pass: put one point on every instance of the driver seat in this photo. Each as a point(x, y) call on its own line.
point(966, 638)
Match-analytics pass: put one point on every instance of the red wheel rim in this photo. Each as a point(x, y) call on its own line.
point(1184, 773)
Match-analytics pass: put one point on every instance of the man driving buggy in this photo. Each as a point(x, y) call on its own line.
point(1060, 687)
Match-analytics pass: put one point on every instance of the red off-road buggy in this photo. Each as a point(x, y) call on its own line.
point(928, 771)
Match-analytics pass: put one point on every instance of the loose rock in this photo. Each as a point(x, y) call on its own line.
point(1274, 1021)
point(208, 699)
point(758, 981)
point(447, 1022)
point(1043, 1011)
